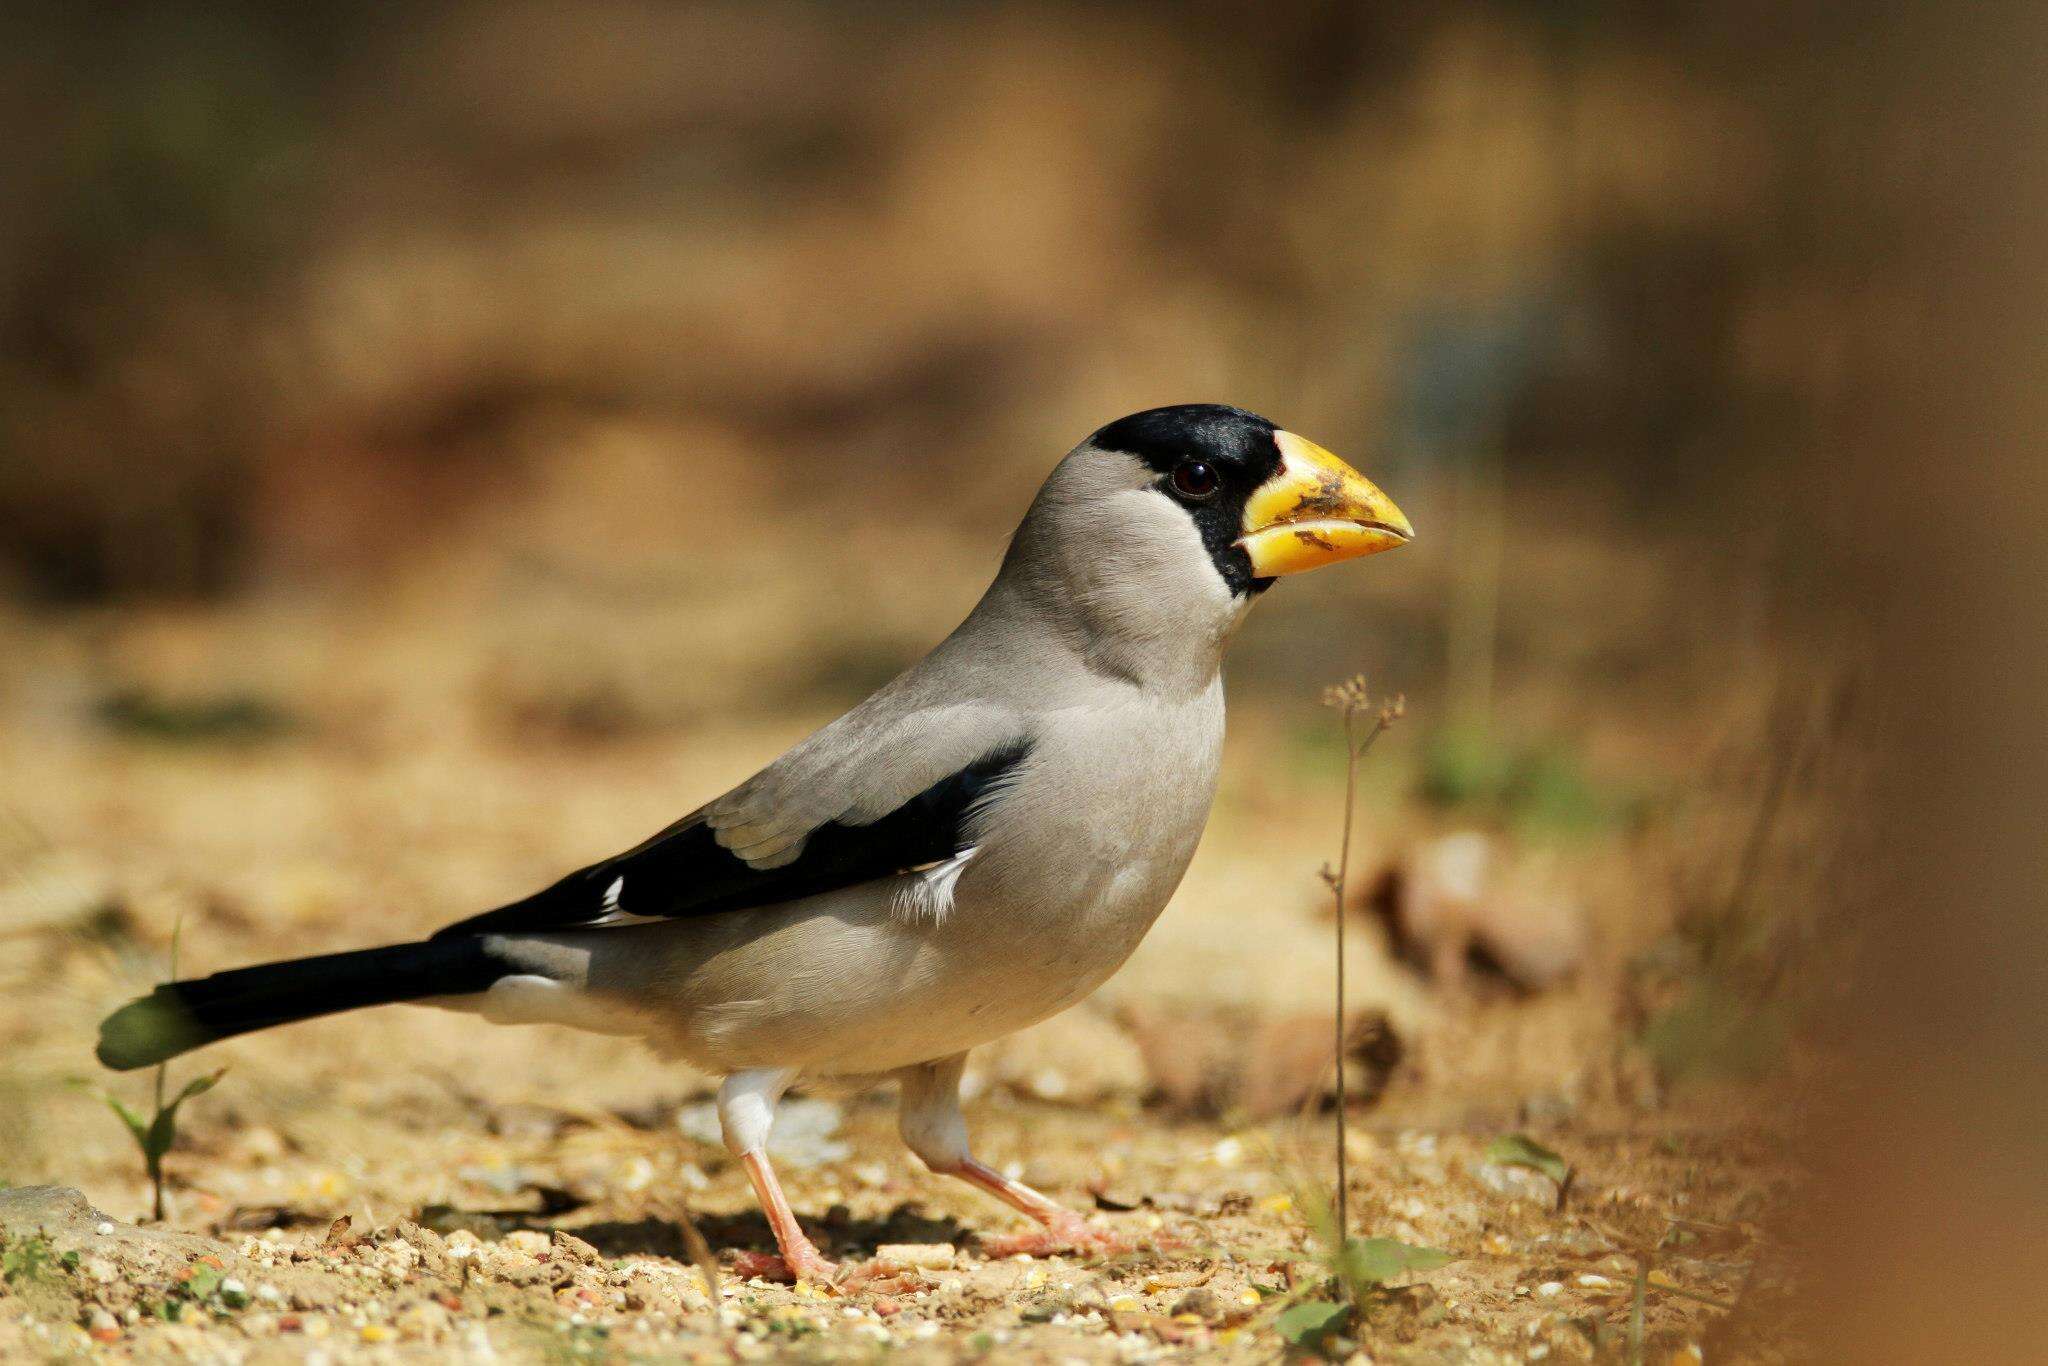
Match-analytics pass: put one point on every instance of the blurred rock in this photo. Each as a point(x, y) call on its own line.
point(1449, 907)
point(64, 1216)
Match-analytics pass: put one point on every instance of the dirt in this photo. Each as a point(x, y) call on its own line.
point(612, 1278)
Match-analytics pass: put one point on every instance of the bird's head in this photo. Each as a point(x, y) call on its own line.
point(1265, 501)
point(1168, 522)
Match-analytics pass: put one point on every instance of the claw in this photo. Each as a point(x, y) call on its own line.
point(771, 1267)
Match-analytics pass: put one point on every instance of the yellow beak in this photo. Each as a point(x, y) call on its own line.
point(1315, 511)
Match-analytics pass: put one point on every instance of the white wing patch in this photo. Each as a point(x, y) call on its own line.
point(926, 892)
point(613, 912)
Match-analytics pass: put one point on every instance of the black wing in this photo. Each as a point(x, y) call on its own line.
point(685, 871)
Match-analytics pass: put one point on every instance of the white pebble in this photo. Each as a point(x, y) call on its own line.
point(103, 1228)
point(1550, 1289)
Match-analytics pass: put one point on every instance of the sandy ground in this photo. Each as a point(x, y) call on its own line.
point(519, 1194)
point(612, 1279)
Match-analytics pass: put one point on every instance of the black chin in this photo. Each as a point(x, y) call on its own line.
point(1231, 561)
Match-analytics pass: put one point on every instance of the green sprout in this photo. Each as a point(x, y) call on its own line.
point(156, 1135)
point(1322, 1315)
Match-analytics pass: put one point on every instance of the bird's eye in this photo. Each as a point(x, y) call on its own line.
point(1195, 479)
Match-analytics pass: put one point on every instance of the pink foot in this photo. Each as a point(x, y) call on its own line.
point(1065, 1232)
point(804, 1264)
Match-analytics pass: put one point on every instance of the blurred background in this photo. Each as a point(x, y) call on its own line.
point(440, 444)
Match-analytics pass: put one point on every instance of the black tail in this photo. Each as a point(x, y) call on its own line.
point(180, 1016)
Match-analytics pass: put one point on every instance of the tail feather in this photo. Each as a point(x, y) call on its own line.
point(180, 1016)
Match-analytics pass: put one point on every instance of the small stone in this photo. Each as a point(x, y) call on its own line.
point(102, 1326)
point(1517, 1183)
point(1550, 1290)
point(375, 1332)
point(419, 1321)
point(1203, 1303)
point(528, 1241)
point(923, 1256)
point(103, 1228)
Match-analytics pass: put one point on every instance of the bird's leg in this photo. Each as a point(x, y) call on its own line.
point(746, 1114)
point(936, 1131)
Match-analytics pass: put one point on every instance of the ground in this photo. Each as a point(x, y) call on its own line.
point(613, 1279)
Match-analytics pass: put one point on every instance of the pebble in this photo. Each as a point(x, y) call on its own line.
point(103, 1228)
point(1517, 1183)
point(1550, 1289)
point(923, 1256)
point(102, 1326)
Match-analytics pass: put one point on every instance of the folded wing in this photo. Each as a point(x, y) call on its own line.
point(865, 798)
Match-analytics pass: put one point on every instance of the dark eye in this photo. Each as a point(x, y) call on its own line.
point(1195, 479)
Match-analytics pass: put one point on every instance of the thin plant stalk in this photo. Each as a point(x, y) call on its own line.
point(163, 1076)
point(1352, 701)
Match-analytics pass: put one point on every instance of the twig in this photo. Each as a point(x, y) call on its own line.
point(163, 1074)
point(1352, 700)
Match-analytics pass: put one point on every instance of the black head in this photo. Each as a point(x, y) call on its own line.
point(1207, 457)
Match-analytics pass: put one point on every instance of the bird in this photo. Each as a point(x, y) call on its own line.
point(975, 847)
